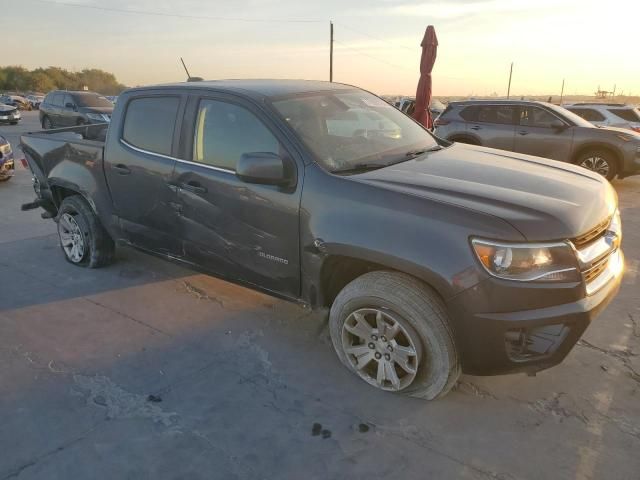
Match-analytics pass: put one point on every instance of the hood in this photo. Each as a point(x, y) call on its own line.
point(6, 108)
point(610, 133)
point(107, 110)
point(543, 199)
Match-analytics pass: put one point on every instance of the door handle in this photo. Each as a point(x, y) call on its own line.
point(193, 187)
point(476, 127)
point(523, 132)
point(121, 169)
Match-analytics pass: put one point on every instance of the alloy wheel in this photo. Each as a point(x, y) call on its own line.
point(596, 164)
point(71, 238)
point(380, 349)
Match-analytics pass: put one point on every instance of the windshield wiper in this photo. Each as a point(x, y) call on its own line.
point(363, 167)
point(360, 167)
point(420, 151)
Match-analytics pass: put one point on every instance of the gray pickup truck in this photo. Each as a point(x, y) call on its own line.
point(432, 258)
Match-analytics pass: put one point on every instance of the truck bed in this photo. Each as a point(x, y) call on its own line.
point(66, 158)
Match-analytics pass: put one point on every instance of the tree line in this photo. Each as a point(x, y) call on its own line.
point(19, 79)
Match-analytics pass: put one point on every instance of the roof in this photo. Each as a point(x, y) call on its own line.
point(614, 106)
point(75, 92)
point(261, 88)
point(499, 102)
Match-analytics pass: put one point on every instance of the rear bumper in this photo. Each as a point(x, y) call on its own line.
point(521, 341)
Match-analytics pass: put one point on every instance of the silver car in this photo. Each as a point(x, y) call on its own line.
point(608, 114)
point(544, 130)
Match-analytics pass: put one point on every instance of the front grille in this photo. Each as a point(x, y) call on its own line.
point(592, 234)
point(593, 273)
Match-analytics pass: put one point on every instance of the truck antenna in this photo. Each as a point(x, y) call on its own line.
point(185, 68)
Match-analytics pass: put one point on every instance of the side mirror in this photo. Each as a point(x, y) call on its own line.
point(558, 125)
point(70, 105)
point(264, 168)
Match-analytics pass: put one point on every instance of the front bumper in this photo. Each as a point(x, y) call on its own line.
point(10, 118)
point(494, 339)
point(7, 166)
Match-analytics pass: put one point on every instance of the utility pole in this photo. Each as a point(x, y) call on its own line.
point(509, 87)
point(614, 91)
point(562, 92)
point(331, 51)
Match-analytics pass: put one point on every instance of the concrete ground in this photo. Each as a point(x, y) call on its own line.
point(145, 370)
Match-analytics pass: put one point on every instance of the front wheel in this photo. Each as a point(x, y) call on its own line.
point(393, 332)
point(83, 239)
point(599, 161)
point(46, 123)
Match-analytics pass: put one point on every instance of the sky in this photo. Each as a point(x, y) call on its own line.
point(589, 43)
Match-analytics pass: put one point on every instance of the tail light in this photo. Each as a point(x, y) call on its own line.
point(440, 122)
point(636, 129)
point(24, 162)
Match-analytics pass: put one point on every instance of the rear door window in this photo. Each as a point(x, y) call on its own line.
point(500, 114)
point(588, 114)
point(470, 114)
point(149, 123)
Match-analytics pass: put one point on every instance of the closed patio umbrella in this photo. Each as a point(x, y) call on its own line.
point(423, 93)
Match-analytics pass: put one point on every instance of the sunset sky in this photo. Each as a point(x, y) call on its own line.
point(587, 42)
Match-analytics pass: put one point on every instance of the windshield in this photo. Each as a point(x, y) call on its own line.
point(578, 120)
point(92, 100)
point(348, 130)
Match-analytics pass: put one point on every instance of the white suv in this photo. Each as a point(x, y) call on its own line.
point(608, 114)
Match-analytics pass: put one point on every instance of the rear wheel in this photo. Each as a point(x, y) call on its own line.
point(46, 123)
point(5, 179)
point(393, 332)
point(83, 239)
point(602, 162)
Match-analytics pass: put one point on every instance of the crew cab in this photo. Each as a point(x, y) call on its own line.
point(431, 258)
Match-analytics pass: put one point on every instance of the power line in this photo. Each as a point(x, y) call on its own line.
point(393, 44)
point(177, 15)
point(357, 50)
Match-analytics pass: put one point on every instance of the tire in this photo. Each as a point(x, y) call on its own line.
point(46, 123)
point(424, 328)
point(5, 179)
point(14, 123)
point(79, 227)
point(599, 161)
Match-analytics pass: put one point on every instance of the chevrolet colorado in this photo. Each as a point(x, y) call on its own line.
point(433, 258)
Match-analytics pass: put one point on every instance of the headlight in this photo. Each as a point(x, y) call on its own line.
point(614, 230)
point(616, 224)
point(98, 117)
point(533, 262)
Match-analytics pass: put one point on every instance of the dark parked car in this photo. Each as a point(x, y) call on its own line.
point(542, 129)
point(64, 109)
point(7, 165)
point(431, 257)
point(9, 114)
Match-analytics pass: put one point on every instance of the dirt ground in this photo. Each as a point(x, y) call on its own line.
point(147, 370)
